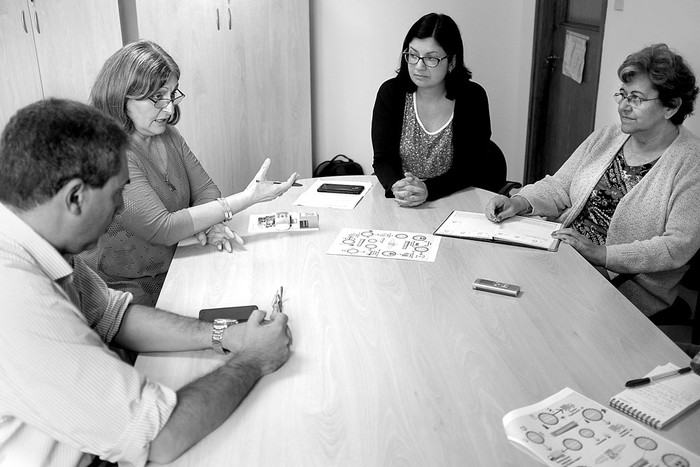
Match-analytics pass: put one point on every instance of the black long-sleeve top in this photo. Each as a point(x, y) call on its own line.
point(474, 163)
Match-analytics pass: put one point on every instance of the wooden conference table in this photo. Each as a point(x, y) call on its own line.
point(402, 362)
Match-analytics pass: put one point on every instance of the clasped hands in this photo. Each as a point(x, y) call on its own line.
point(410, 191)
point(219, 235)
point(501, 207)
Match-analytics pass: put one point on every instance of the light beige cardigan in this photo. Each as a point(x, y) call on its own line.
point(655, 229)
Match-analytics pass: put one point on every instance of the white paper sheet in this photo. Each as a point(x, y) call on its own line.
point(574, 56)
point(311, 197)
point(569, 429)
point(386, 244)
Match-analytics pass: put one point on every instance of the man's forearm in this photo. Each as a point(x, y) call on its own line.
point(202, 406)
point(146, 329)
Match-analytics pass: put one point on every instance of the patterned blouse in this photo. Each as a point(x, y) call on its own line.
point(424, 154)
point(614, 184)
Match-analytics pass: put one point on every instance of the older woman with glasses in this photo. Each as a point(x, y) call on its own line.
point(629, 196)
point(170, 196)
point(431, 128)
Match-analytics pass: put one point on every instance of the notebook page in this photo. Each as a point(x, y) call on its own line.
point(663, 399)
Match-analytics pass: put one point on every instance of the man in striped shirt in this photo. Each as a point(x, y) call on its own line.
point(65, 398)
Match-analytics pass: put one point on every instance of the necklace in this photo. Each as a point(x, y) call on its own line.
point(164, 160)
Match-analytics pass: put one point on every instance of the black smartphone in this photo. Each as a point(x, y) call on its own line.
point(343, 189)
point(239, 313)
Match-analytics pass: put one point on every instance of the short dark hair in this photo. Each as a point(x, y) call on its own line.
point(136, 71)
point(444, 30)
point(51, 142)
point(668, 72)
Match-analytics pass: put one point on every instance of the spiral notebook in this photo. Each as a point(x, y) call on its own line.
point(660, 402)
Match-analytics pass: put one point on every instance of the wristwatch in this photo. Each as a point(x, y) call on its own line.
point(217, 334)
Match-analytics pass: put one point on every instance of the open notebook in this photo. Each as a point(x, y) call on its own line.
point(518, 230)
point(660, 402)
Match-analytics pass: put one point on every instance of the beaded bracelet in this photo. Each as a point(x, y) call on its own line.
point(228, 214)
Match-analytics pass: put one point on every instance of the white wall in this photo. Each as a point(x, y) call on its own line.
point(356, 45)
point(641, 23)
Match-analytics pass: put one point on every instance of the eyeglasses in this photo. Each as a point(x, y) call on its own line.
point(430, 62)
point(161, 103)
point(633, 99)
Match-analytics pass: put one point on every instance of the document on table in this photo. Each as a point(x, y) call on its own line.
point(312, 197)
point(518, 230)
point(386, 244)
point(659, 403)
point(569, 429)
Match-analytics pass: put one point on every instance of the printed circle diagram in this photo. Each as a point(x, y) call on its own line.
point(645, 443)
point(535, 437)
point(548, 418)
point(593, 415)
point(572, 444)
point(674, 460)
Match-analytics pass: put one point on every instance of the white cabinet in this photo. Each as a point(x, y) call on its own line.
point(53, 48)
point(245, 68)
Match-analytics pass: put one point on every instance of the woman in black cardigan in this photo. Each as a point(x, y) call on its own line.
point(430, 125)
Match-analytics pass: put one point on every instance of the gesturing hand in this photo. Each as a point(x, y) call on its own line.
point(260, 189)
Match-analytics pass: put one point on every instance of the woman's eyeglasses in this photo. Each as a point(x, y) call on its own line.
point(430, 62)
point(633, 99)
point(161, 103)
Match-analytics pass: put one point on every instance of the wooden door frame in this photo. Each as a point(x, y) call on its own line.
point(548, 13)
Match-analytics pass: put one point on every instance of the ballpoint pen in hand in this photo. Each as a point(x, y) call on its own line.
point(639, 382)
point(277, 301)
point(275, 182)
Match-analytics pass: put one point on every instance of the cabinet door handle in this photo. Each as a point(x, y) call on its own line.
point(229, 19)
point(36, 17)
point(218, 28)
point(24, 23)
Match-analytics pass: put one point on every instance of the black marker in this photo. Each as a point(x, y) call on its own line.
point(638, 382)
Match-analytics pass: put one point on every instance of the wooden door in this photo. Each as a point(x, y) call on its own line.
point(562, 110)
point(268, 60)
point(245, 68)
point(194, 36)
point(21, 82)
point(53, 48)
point(73, 40)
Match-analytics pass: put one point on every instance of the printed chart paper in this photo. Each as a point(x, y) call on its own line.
point(386, 244)
point(569, 429)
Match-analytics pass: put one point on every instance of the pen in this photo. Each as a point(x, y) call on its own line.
point(638, 382)
point(278, 183)
point(277, 301)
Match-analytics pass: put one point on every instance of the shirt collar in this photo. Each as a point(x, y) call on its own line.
point(54, 265)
